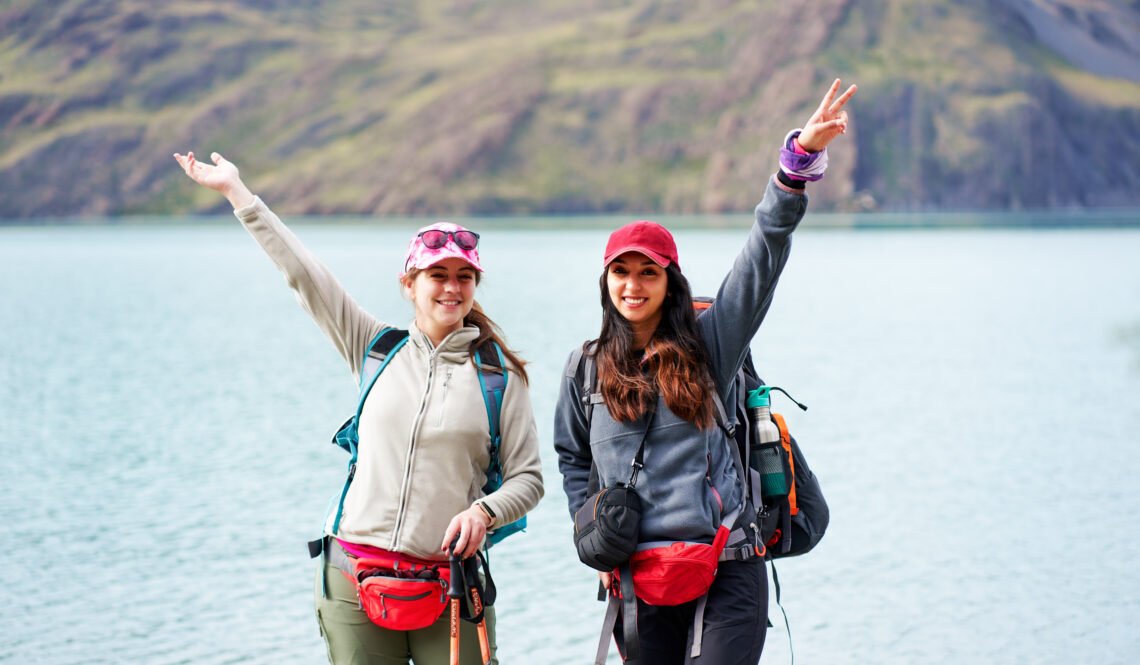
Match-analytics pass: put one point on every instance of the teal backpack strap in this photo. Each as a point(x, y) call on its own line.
point(380, 352)
point(493, 383)
point(493, 373)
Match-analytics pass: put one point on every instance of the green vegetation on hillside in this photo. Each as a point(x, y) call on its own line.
point(492, 106)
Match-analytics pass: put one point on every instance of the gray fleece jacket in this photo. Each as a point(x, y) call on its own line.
point(424, 436)
point(686, 468)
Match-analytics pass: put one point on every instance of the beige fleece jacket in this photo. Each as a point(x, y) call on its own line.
point(424, 436)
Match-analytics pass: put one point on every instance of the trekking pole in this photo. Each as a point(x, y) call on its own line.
point(455, 592)
point(477, 601)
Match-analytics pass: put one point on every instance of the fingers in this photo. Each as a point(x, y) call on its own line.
point(839, 123)
point(460, 549)
point(186, 162)
point(218, 159)
point(453, 534)
point(826, 103)
point(463, 536)
point(838, 104)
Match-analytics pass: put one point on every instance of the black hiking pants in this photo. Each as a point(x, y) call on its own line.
point(735, 621)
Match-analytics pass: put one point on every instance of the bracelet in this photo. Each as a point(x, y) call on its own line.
point(798, 166)
point(488, 512)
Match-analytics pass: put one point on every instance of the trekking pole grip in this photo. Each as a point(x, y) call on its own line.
point(455, 586)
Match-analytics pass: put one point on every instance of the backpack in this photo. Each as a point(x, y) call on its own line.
point(493, 381)
point(795, 523)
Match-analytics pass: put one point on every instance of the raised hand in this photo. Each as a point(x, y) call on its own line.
point(221, 176)
point(828, 121)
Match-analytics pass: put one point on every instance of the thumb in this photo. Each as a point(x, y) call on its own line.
point(218, 159)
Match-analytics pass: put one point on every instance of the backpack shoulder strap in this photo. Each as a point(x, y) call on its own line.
point(492, 374)
point(583, 368)
point(380, 352)
point(585, 374)
point(376, 357)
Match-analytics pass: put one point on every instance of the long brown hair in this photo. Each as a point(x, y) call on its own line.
point(675, 358)
point(488, 330)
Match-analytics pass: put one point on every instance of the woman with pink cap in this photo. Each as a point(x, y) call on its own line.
point(645, 419)
point(415, 493)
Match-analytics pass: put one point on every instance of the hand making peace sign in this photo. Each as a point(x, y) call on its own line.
point(828, 121)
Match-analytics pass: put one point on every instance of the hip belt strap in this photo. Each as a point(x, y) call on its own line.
point(698, 626)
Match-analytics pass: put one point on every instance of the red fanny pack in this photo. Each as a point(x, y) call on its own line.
point(678, 572)
point(399, 592)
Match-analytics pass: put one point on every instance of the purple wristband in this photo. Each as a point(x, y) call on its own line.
point(797, 166)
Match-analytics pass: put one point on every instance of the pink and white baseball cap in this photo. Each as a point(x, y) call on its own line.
point(439, 241)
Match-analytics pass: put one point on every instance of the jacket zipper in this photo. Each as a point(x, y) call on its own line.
point(411, 452)
point(443, 396)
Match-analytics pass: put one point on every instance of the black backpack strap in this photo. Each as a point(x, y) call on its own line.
point(744, 540)
point(787, 626)
point(586, 377)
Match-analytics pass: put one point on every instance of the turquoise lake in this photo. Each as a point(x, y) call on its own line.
point(974, 394)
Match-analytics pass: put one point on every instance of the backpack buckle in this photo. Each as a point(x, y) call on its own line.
point(743, 553)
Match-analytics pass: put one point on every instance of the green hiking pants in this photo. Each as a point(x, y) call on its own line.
point(352, 638)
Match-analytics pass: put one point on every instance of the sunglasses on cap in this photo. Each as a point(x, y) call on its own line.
point(435, 238)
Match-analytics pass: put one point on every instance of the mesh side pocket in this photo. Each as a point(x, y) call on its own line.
point(771, 461)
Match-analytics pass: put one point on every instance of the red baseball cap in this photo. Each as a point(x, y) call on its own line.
point(648, 238)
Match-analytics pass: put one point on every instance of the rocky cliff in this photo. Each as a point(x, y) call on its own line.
point(458, 107)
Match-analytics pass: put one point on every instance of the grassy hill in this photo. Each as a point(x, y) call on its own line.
point(492, 106)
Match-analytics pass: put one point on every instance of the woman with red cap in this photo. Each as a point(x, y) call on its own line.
point(416, 490)
point(659, 369)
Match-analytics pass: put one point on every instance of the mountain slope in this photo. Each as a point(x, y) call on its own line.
point(503, 107)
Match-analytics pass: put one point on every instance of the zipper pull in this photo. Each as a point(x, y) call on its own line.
point(759, 548)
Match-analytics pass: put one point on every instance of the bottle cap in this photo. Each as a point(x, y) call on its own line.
point(759, 397)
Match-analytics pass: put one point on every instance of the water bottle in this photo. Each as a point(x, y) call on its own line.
point(766, 454)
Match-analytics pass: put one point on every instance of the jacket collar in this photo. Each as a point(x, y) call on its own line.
point(453, 348)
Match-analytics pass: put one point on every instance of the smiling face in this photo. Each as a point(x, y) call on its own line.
point(637, 288)
point(443, 295)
